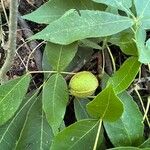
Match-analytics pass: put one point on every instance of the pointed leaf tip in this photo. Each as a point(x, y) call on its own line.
point(106, 105)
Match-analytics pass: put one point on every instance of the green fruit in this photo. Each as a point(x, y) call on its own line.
point(83, 84)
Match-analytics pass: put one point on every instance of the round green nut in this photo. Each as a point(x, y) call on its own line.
point(83, 84)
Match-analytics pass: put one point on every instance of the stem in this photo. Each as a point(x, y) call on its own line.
point(112, 59)
point(71, 73)
point(32, 54)
point(147, 109)
point(91, 97)
point(12, 40)
point(142, 104)
point(103, 47)
point(98, 133)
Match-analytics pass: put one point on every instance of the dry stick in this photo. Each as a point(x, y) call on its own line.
point(12, 40)
point(19, 55)
point(28, 33)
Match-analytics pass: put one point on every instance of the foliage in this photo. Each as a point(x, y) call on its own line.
point(74, 29)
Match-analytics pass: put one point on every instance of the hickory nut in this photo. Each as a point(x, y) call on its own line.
point(83, 84)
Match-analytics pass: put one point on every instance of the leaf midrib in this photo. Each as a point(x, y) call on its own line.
point(108, 101)
point(141, 16)
point(83, 136)
point(13, 88)
point(83, 26)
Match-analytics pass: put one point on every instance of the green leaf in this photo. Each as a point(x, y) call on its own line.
point(128, 130)
point(82, 56)
point(10, 132)
point(55, 98)
point(106, 105)
point(112, 10)
point(146, 144)
point(59, 56)
point(80, 135)
point(122, 78)
point(89, 43)
point(1, 31)
point(125, 148)
point(125, 40)
point(36, 133)
point(144, 52)
point(54, 9)
point(143, 13)
point(145, 22)
point(104, 79)
point(120, 4)
point(80, 108)
point(11, 97)
point(142, 8)
point(88, 24)
point(46, 66)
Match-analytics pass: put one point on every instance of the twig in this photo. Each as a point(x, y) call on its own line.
point(12, 40)
point(28, 33)
point(71, 73)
